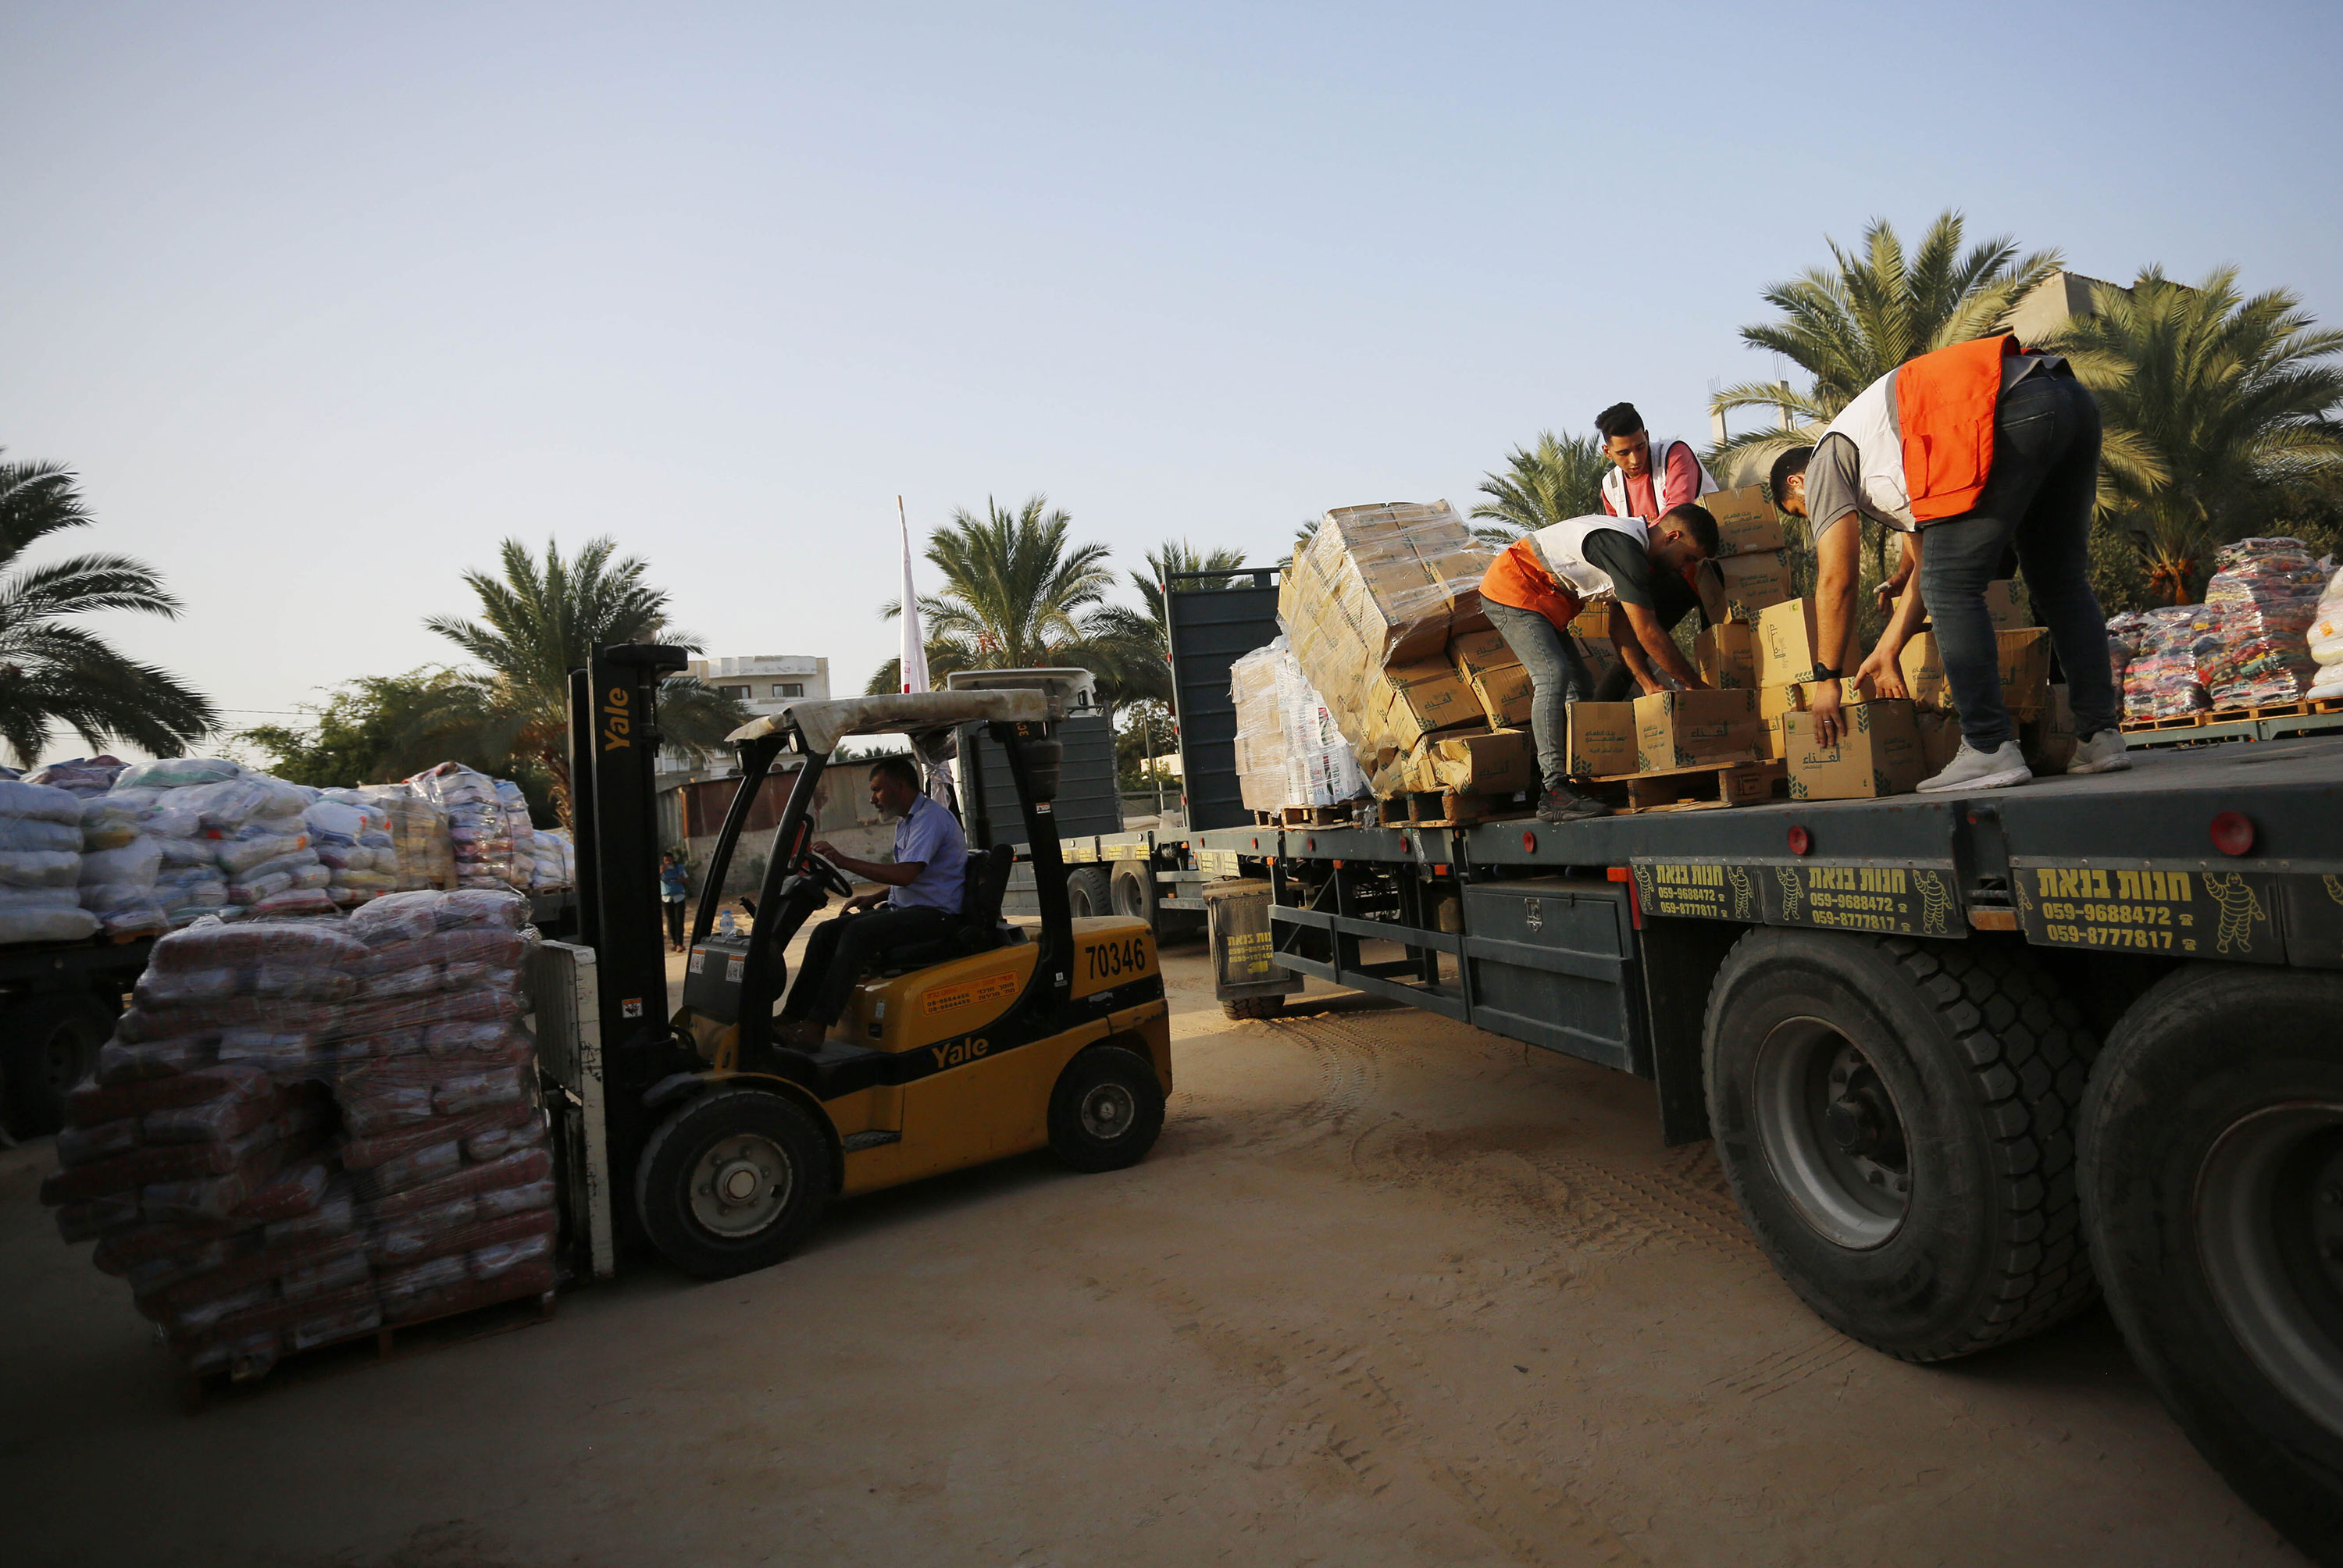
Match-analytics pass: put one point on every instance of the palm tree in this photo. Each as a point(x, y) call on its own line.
point(1849, 324)
point(52, 673)
point(538, 622)
point(1141, 639)
point(2213, 405)
point(1016, 595)
point(1559, 478)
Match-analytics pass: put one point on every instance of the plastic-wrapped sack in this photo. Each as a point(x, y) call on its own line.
point(83, 776)
point(2323, 639)
point(2163, 680)
point(477, 823)
point(40, 865)
point(117, 886)
point(418, 831)
point(2265, 594)
point(176, 772)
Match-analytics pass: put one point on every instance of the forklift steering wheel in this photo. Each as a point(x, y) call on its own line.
point(828, 875)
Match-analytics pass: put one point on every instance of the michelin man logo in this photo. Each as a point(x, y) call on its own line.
point(1936, 904)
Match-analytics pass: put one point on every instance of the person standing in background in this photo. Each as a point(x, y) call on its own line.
point(674, 887)
point(1650, 476)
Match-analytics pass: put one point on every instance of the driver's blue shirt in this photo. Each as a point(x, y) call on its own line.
point(929, 834)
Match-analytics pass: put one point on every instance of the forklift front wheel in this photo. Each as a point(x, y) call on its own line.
point(731, 1182)
point(1106, 1111)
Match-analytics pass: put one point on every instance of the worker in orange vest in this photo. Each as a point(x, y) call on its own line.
point(1966, 452)
point(1538, 584)
point(1649, 474)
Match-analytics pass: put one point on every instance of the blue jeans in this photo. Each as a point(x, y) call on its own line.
point(2045, 470)
point(1559, 675)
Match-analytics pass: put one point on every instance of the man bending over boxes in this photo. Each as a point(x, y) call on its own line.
point(1540, 582)
point(1965, 452)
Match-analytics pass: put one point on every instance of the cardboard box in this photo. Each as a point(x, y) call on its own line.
point(1484, 762)
point(1745, 521)
point(1600, 655)
point(1686, 729)
point(1727, 656)
point(1784, 649)
point(1485, 662)
point(1419, 699)
point(1735, 587)
point(1602, 739)
point(1378, 587)
point(2048, 742)
point(2024, 658)
point(1940, 738)
point(2000, 604)
point(1878, 753)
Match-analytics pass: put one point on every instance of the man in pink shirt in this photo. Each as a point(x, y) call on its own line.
point(1628, 490)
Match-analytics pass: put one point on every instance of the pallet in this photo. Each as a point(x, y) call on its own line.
point(392, 1342)
point(1448, 808)
point(1704, 787)
point(1316, 816)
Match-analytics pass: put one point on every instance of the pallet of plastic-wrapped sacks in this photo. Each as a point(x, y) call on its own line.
point(351, 834)
point(425, 853)
point(2163, 680)
point(476, 822)
point(40, 865)
point(307, 1132)
point(556, 860)
point(2265, 594)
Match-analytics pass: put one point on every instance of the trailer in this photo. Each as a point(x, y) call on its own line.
point(58, 1001)
point(1968, 1061)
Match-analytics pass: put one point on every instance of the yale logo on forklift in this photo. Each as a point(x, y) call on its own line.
point(618, 721)
point(957, 1051)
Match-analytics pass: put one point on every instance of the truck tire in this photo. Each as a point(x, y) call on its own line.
point(2212, 1178)
point(732, 1181)
point(48, 1044)
point(1087, 892)
point(1106, 1111)
point(1255, 1007)
point(1132, 891)
point(1897, 1119)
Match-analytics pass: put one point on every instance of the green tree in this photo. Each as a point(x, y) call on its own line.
point(540, 621)
point(2219, 411)
point(1559, 478)
point(1016, 595)
point(1847, 325)
point(52, 673)
point(372, 730)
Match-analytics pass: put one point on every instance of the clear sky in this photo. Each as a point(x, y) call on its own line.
point(322, 302)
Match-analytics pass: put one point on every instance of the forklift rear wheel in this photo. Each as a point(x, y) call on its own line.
point(732, 1181)
point(1106, 1111)
point(1897, 1122)
point(1087, 892)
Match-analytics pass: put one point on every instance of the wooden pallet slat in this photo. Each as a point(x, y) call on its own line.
point(420, 1335)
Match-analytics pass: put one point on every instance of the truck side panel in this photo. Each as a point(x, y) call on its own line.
point(1210, 628)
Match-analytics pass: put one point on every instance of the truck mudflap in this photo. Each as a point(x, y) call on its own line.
point(1882, 896)
point(2265, 912)
point(1242, 942)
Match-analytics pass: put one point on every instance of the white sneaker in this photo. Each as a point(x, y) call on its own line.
point(2102, 753)
point(1972, 769)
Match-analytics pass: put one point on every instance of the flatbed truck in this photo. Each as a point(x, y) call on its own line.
point(1968, 1060)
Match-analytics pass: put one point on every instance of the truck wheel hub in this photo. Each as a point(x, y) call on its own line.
point(1832, 1133)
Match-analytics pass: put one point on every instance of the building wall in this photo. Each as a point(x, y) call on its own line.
point(767, 682)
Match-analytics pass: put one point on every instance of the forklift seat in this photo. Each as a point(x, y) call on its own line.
point(980, 928)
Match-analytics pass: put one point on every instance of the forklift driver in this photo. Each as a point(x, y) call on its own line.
point(923, 894)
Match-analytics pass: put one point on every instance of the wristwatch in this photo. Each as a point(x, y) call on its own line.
point(1825, 672)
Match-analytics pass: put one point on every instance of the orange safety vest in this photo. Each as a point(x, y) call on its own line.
point(1945, 405)
point(1517, 578)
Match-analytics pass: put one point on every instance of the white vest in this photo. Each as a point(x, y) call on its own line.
point(1614, 483)
point(1870, 422)
point(1562, 548)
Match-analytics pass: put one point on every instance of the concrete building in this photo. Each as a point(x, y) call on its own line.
point(767, 682)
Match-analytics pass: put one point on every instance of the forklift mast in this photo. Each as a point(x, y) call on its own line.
point(614, 743)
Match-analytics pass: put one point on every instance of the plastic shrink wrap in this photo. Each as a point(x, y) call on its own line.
point(40, 865)
point(477, 823)
point(419, 833)
point(301, 1131)
point(2162, 680)
point(351, 835)
point(2324, 638)
point(1288, 750)
point(2263, 597)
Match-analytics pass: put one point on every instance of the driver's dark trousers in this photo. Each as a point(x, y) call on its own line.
point(840, 950)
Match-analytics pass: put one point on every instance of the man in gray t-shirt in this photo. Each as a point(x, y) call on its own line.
point(922, 887)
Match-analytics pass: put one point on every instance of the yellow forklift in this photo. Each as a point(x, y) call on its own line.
point(989, 1041)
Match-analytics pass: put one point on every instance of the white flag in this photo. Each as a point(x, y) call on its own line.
point(915, 648)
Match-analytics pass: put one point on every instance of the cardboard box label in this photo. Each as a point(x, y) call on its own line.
point(1602, 742)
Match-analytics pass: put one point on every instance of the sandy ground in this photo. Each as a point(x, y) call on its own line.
point(1389, 1291)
